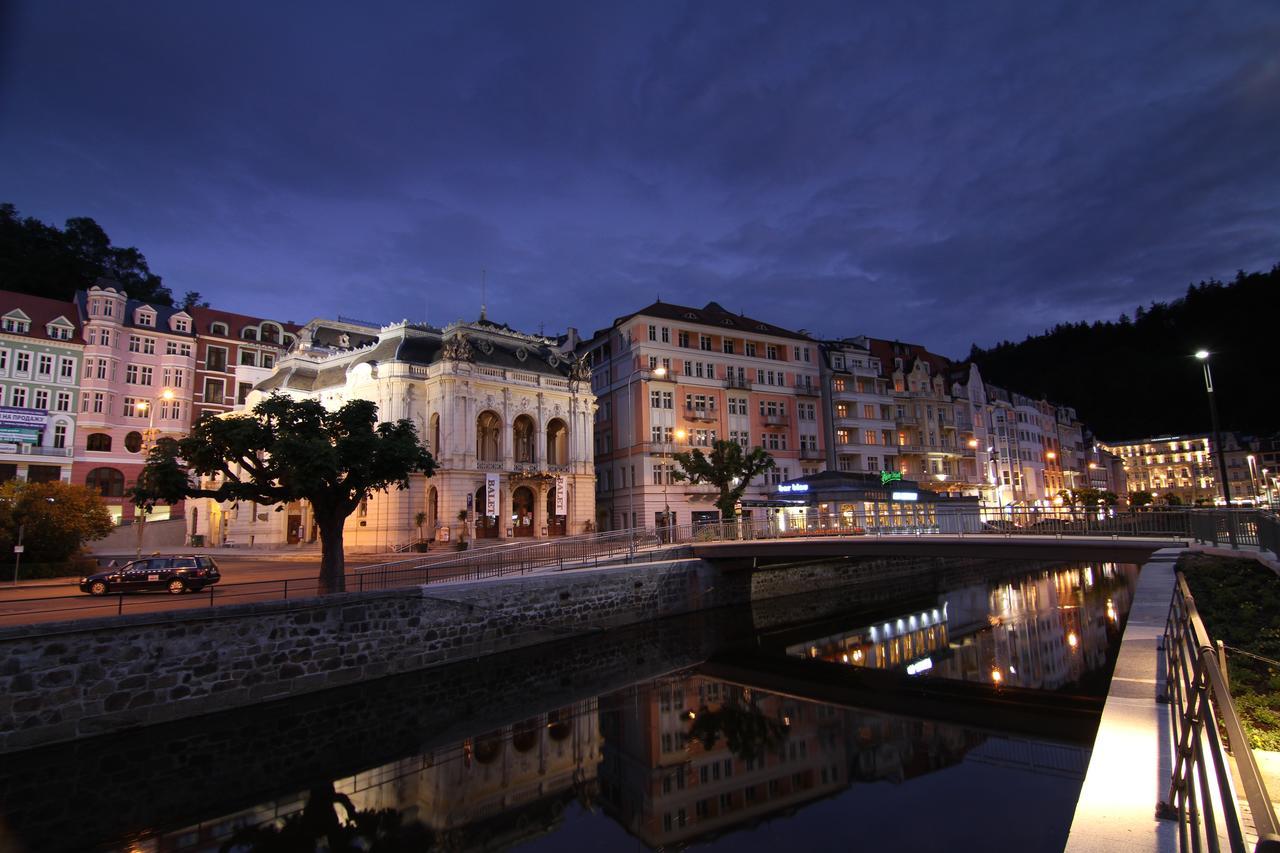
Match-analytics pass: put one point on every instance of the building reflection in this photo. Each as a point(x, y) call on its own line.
point(693, 756)
point(1046, 631)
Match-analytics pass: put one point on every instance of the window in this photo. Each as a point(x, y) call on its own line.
point(40, 399)
point(653, 333)
point(181, 324)
point(668, 399)
point(148, 346)
point(842, 436)
point(248, 357)
point(18, 397)
point(704, 342)
point(44, 365)
point(655, 399)
point(213, 389)
point(133, 442)
point(727, 346)
point(4, 359)
point(218, 329)
point(134, 408)
point(683, 339)
point(868, 411)
point(842, 410)
point(106, 481)
point(771, 352)
point(249, 333)
point(59, 333)
point(98, 442)
point(63, 402)
point(16, 324)
point(66, 368)
point(666, 335)
point(60, 435)
point(22, 362)
point(838, 384)
point(870, 437)
point(750, 349)
point(215, 358)
point(268, 359)
point(242, 393)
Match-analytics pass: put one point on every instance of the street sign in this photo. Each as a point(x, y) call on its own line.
point(18, 549)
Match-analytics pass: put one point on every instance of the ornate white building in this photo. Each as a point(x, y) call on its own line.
point(508, 417)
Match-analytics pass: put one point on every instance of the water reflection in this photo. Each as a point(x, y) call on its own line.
point(632, 746)
point(1044, 631)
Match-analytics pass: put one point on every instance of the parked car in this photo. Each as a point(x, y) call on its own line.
point(176, 574)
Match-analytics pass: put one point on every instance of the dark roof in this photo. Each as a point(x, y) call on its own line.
point(712, 314)
point(887, 351)
point(42, 311)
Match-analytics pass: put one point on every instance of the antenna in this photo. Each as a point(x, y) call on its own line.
point(482, 292)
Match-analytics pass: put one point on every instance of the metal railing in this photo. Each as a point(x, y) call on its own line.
point(1202, 794)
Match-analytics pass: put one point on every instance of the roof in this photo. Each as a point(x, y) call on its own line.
point(203, 317)
point(887, 351)
point(711, 314)
point(163, 312)
point(41, 312)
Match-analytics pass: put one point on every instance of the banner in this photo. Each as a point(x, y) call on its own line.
point(562, 495)
point(490, 494)
point(15, 418)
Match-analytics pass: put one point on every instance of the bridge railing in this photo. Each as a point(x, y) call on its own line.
point(1208, 740)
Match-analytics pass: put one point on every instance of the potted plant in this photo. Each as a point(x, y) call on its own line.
point(419, 520)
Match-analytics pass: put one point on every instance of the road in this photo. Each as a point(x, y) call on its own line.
point(244, 579)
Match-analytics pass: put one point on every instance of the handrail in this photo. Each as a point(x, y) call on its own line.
point(1202, 795)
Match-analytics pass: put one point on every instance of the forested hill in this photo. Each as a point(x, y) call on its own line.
point(1137, 377)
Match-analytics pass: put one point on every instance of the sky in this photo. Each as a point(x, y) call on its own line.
point(936, 172)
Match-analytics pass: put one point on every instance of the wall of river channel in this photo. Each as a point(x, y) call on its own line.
point(64, 681)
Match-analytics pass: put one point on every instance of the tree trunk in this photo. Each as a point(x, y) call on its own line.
point(332, 558)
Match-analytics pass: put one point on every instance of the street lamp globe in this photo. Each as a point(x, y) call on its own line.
point(1202, 354)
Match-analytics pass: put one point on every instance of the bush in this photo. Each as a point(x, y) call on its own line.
point(75, 567)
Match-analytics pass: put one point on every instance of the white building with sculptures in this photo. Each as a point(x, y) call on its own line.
point(508, 417)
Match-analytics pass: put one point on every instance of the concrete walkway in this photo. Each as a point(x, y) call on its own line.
point(1132, 759)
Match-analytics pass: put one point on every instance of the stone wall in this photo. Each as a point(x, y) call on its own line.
point(61, 681)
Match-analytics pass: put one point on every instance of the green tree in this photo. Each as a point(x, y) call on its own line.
point(47, 261)
point(57, 519)
point(193, 299)
point(727, 468)
point(287, 450)
point(1139, 499)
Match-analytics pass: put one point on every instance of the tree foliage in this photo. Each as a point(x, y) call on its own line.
point(727, 468)
point(57, 519)
point(1134, 378)
point(287, 450)
point(45, 260)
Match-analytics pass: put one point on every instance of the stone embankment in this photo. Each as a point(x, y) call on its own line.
point(62, 681)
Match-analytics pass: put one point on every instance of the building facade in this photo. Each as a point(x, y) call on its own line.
point(506, 415)
point(135, 386)
point(1173, 468)
point(234, 352)
point(40, 354)
point(861, 426)
point(670, 378)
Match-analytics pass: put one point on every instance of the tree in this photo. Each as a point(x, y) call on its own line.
point(1139, 499)
point(192, 299)
point(728, 468)
point(47, 261)
point(287, 450)
point(57, 519)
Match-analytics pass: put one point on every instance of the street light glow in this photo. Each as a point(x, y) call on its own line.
point(1202, 354)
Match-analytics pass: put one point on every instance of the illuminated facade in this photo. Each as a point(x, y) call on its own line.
point(1181, 467)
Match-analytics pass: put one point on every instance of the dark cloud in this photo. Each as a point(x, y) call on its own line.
point(944, 174)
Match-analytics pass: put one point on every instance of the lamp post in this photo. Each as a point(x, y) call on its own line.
point(148, 406)
point(1203, 356)
point(1253, 474)
point(679, 435)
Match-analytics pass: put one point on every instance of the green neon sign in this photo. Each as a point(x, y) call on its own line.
point(887, 477)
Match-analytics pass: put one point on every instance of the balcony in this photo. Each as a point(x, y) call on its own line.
point(36, 450)
point(737, 382)
point(659, 448)
point(812, 453)
point(700, 413)
point(777, 420)
point(808, 390)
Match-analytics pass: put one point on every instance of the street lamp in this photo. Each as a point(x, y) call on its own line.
point(148, 407)
point(666, 478)
point(1253, 475)
point(1203, 356)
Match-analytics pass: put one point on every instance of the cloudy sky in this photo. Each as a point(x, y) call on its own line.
point(944, 173)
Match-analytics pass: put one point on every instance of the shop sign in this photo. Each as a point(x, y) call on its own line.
point(20, 436)
point(887, 477)
point(490, 494)
point(794, 487)
point(562, 495)
point(906, 496)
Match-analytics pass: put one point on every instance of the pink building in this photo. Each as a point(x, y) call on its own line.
point(668, 378)
point(135, 386)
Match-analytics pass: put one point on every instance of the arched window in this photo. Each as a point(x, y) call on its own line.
point(99, 442)
point(270, 333)
point(218, 329)
point(435, 436)
point(249, 333)
point(488, 437)
point(557, 443)
point(132, 442)
point(107, 481)
point(522, 435)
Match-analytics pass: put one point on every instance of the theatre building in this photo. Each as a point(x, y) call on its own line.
point(506, 415)
point(845, 501)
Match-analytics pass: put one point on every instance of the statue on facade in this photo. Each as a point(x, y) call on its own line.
point(458, 348)
point(579, 372)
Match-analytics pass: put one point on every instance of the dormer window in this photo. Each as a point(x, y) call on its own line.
point(181, 323)
point(145, 317)
point(249, 333)
point(218, 329)
point(59, 329)
point(690, 316)
point(17, 322)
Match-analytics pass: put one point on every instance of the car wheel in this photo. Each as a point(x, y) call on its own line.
point(177, 587)
point(98, 588)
